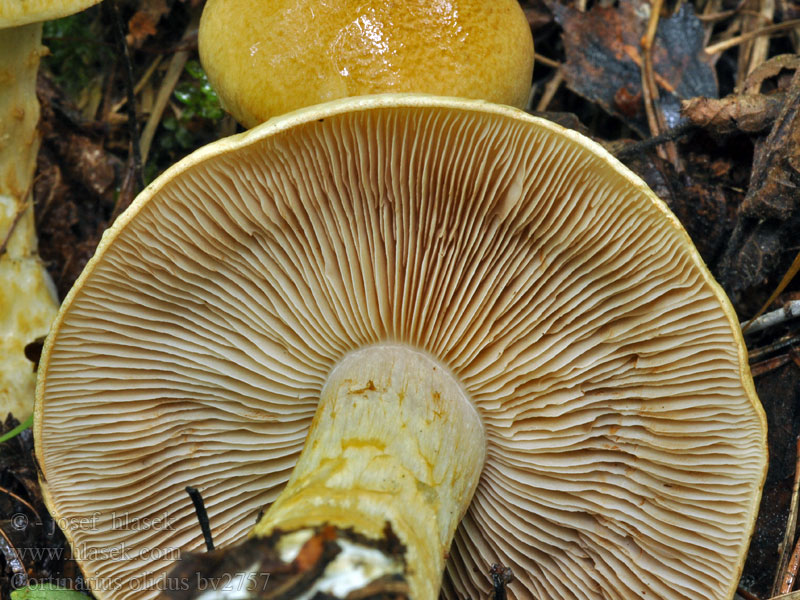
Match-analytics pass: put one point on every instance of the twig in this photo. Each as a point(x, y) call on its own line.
point(735, 41)
point(746, 595)
point(766, 366)
point(133, 127)
point(790, 310)
point(791, 571)
point(794, 268)
point(548, 62)
point(717, 16)
point(202, 516)
point(141, 83)
point(550, 90)
point(632, 53)
point(168, 84)
point(670, 135)
point(22, 501)
point(787, 341)
point(650, 94)
point(791, 525)
point(760, 49)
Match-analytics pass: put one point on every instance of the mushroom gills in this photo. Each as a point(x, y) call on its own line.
point(387, 471)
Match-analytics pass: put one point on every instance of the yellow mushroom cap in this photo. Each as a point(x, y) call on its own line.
point(21, 12)
point(267, 58)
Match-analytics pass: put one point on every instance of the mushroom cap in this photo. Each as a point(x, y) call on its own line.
point(21, 12)
point(287, 54)
point(625, 443)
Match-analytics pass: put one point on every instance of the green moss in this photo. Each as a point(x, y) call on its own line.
point(77, 50)
point(197, 96)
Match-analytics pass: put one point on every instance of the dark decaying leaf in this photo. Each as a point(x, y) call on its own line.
point(75, 188)
point(765, 239)
point(144, 21)
point(32, 547)
point(603, 59)
point(701, 208)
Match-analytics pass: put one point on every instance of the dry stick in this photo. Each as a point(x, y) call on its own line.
point(790, 310)
point(790, 104)
point(791, 526)
point(788, 341)
point(168, 84)
point(711, 10)
point(670, 135)
point(769, 365)
point(749, 20)
point(647, 71)
point(650, 94)
point(760, 48)
point(794, 268)
point(140, 84)
point(717, 16)
point(164, 93)
point(22, 501)
point(745, 594)
point(550, 90)
point(791, 571)
point(722, 46)
point(548, 62)
point(631, 53)
point(133, 128)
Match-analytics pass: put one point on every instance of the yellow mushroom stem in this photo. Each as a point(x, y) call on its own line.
point(27, 298)
point(396, 446)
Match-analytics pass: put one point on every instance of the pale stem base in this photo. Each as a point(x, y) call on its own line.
point(27, 297)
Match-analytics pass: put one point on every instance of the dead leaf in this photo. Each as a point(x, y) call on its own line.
point(603, 59)
point(764, 241)
point(768, 70)
point(140, 26)
point(145, 20)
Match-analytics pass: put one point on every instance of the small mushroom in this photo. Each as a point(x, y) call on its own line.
point(28, 300)
point(268, 58)
point(426, 335)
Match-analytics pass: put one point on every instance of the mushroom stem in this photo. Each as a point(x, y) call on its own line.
point(395, 451)
point(27, 297)
point(395, 440)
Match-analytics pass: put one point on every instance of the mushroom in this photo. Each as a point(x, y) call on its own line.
point(374, 317)
point(268, 58)
point(27, 295)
